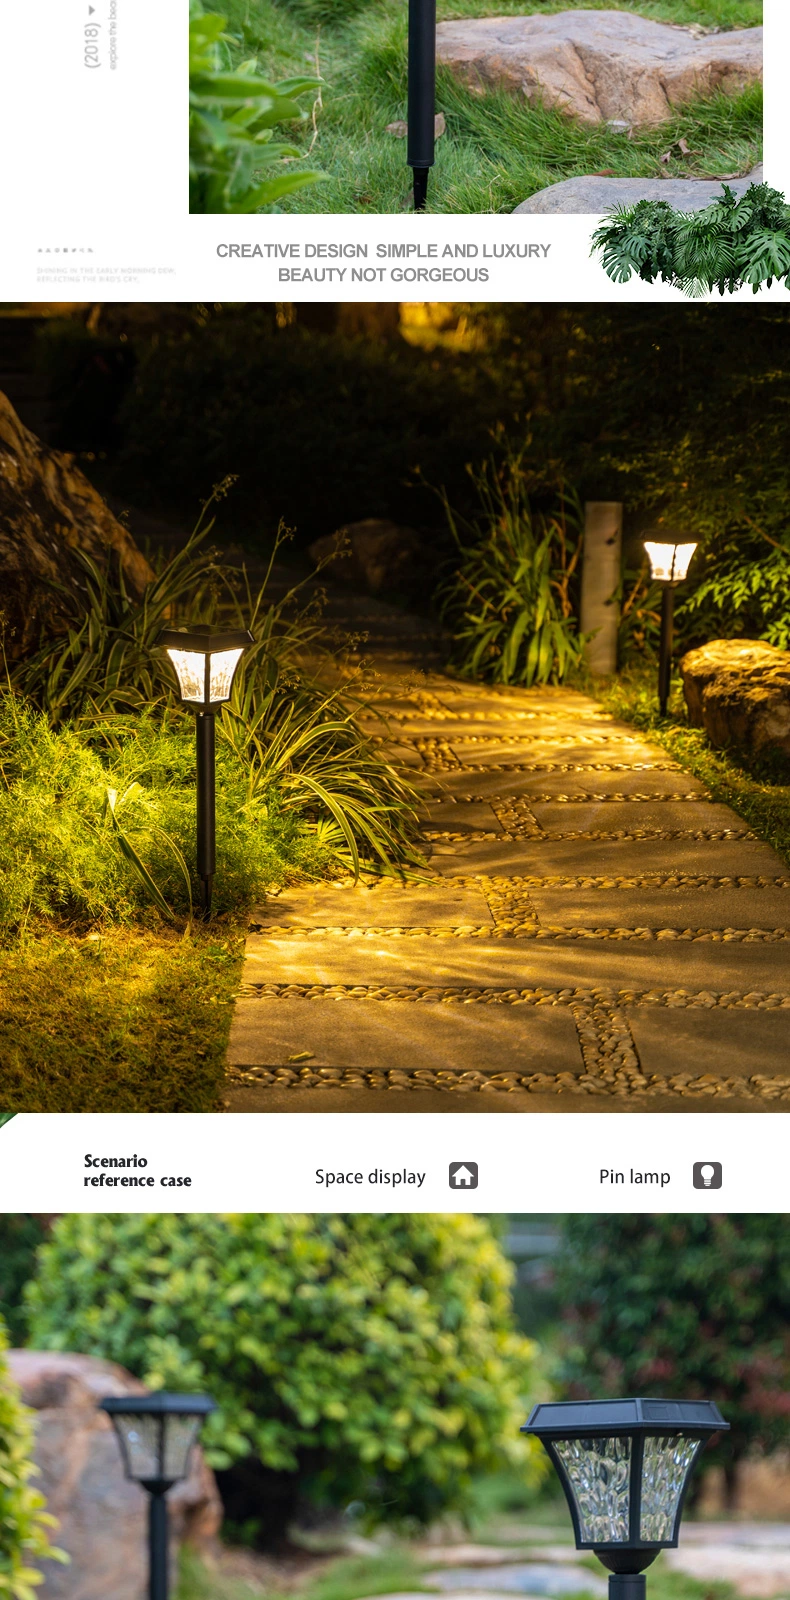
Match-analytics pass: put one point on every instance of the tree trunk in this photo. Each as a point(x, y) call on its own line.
point(48, 509)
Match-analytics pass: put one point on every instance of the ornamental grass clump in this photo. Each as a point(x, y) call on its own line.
point(25, 1524)
point(729, 244)
point(510, 603)
point(97, 756)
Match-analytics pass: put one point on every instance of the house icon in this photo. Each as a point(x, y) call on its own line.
point(463, 1174)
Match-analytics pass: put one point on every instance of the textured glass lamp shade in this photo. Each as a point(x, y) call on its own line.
point(157, 1433)
point(625, 1466)
point(205, 662)
point(669, 563)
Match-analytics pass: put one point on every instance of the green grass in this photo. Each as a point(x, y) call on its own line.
point(759, 791)
point(496, 152)
point(121, 1020)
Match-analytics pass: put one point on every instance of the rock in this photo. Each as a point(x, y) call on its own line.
point(599, 66)
point(375, 556)
point(102, 1515)
point(400, 129)
point(48, 509)
point(738, 690)
point(596, 196)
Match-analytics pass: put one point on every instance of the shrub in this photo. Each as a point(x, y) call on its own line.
point(24, 1523)
point(369, 1357)
point(232, 114)
point(20, 1237)
point(686, 1307)
point(727, 245)
point(510, 603)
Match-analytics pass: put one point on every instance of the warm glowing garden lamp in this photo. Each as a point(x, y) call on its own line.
point(157, 1433)
point(421, 113)
point(669, 564)
point(625, 1466)
point(205, 663)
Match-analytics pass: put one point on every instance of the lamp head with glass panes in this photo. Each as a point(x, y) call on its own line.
point(157, 1433)
point(205, 662)
point(669, 560)
point(625, 1467)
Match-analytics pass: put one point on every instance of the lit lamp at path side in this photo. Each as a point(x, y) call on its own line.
point(205, 663)
point(669, 564)
point(421, 111)
point(625, 1466)
point(157, 1433)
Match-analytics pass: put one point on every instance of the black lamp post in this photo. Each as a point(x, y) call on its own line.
point(421, 112)
point(669, 563)
point(156, 1433)
point(625, 1466)
point(205, 663)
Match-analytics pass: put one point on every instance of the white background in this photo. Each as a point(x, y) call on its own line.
point(269, 1163)
point(96, 161)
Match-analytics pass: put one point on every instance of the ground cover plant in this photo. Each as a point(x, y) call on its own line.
point(495, 153)
point(731, 243)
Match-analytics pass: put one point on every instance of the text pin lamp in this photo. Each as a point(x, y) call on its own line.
point(421, 111)
point(205, 663)
point(157, 1433)
point(625, 1466)
point(669, 564)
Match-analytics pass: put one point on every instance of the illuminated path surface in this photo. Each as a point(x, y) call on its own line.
point(596, 934)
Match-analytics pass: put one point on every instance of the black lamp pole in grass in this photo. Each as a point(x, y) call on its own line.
point(669, 563)
point(625, 1467)
point(421, 114)
point(205, 662)
point(156, 1433)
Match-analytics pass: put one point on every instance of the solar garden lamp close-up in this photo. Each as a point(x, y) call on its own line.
point(205, 662)
point(421, 113)
point(625, 1467)
point(669, 564)
point(157, 1434)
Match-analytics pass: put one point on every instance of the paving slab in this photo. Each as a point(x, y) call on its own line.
point(462, 817)
point(368, 1035)
point(385, 905)
point(730, 1043)
point(612, 816)
point(604, 858)
point(715, 909)
point(525, 1578)
point(434, 965)
point(637, 783)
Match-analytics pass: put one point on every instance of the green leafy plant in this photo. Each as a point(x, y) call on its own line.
point(683, 1306)
point(510, 601)
point(730, 243)
point(232, 114)
point(352, 1357)
point(25, 1525)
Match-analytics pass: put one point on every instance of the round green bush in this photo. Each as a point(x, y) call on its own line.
point(24, 1523)
point(354, 1357)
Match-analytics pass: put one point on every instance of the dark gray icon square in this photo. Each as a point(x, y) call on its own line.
point(707, 1174)
point(463, 1174)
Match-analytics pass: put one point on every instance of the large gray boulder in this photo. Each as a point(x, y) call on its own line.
point(738, 690)
point(596, 196)
point(102, 1515)
point(373, 556)
point(599, 66)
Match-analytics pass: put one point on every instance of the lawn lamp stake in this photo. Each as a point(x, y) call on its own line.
point(669, 564)
point(625, 1466)
point(156, 1433)
point(205, 663)
point(421, 111)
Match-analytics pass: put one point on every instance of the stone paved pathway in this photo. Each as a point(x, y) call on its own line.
point(595, 933)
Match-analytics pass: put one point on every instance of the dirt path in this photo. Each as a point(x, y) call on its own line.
point(596, 934)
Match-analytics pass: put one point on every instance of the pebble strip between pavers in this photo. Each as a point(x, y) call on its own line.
point(517, 967)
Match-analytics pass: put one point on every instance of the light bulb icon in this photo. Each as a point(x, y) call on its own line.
point(707, 1174)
